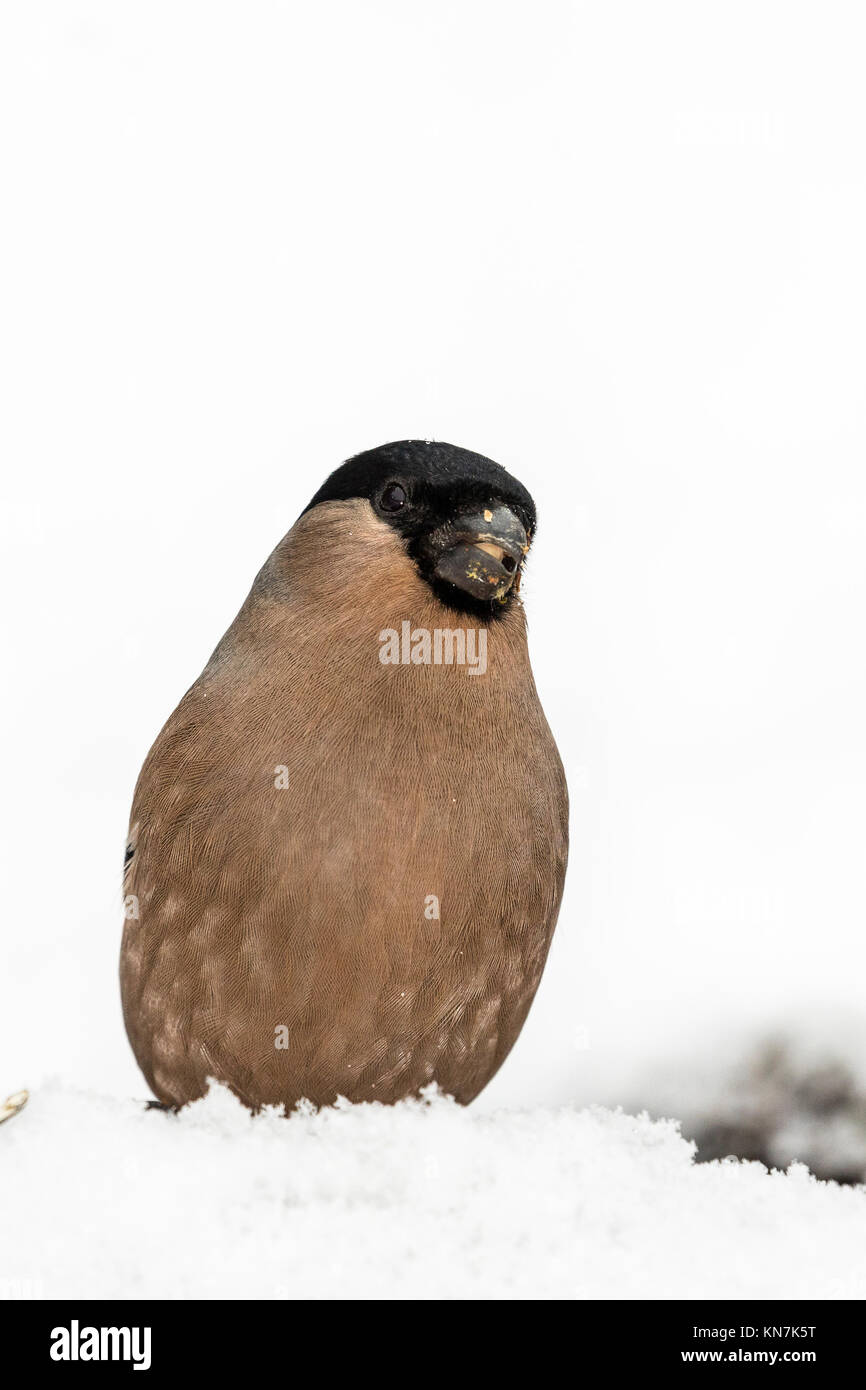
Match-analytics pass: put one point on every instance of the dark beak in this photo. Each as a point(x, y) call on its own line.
point(481, 552)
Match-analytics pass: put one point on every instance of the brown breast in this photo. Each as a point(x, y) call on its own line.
point(287, 939)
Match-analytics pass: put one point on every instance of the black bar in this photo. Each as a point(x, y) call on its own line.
point(273, 1337)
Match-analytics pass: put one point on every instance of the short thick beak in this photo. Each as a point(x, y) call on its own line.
point(481, 552)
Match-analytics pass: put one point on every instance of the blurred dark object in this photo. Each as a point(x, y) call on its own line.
point(784, 1103)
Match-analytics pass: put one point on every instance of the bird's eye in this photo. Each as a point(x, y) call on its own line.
point(393, 498)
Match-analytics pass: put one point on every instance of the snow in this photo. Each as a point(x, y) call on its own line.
point(104, 1199)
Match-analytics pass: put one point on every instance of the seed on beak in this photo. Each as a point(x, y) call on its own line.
point(490, 549)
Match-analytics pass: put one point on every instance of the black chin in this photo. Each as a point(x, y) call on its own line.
point(485, 610)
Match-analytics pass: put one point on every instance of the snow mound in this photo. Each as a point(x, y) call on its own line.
point(101, 1199)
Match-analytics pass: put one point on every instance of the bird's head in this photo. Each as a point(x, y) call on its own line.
point(465, 522)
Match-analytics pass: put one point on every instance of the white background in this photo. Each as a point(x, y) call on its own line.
point(619, 248)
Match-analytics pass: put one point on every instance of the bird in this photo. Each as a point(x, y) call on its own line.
point(348, 844)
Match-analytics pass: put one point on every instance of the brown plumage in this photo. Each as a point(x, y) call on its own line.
point(286, 940)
